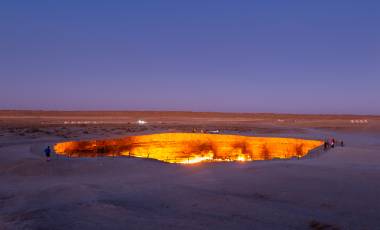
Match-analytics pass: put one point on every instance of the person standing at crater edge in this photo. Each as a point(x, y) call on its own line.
point(47, 153)
point(332, 143)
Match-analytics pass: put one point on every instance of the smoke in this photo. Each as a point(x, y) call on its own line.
point(201, 147)
point(299, 149)
point(265, 154)
point(242, 148)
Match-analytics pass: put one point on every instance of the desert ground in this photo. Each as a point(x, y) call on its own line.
point(334, 189)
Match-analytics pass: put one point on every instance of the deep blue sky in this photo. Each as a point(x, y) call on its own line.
point(239, 56)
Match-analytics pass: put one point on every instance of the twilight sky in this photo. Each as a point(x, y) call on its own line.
point(234, 56)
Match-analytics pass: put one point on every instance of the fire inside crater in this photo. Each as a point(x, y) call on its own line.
point(191, 147)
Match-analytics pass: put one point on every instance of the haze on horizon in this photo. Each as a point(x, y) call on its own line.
point(227, 56)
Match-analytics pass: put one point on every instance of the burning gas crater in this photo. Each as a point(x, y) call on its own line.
point(191, 147)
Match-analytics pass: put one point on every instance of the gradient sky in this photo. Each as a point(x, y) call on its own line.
point(235, 56)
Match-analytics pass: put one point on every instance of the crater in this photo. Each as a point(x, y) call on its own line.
point(188, 148)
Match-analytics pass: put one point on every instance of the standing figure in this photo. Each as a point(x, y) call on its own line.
point(47, 153)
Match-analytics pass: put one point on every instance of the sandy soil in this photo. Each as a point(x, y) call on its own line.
point(338, 189)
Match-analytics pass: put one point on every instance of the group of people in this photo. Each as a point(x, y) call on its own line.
point(331, 143)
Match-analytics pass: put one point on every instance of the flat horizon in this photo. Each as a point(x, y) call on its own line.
point(184, 111)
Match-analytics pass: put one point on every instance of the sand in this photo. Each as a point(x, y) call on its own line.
point(338, 189)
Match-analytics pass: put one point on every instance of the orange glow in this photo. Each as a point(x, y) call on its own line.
point(189, 148)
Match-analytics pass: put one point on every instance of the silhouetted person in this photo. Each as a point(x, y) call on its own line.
point(325, 145)
point(341, 143)
point(47, 153)
point(332, 143)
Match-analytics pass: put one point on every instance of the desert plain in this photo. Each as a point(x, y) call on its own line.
point(334, 189)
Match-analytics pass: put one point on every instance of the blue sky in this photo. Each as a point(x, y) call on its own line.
point(232, 56)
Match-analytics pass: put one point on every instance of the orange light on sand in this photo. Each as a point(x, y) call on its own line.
point(190, 148)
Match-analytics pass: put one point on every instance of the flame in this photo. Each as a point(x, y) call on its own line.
point(241, 158)
point(190, 148)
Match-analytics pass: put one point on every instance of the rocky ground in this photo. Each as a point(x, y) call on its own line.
point(337, 189)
